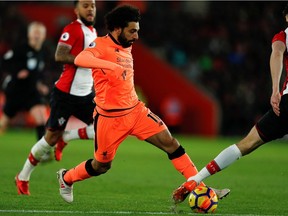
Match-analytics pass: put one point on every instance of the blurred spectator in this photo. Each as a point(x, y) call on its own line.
point(23, 86)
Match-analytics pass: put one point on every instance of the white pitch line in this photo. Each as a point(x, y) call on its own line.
point(112, 212)
point(87, 212)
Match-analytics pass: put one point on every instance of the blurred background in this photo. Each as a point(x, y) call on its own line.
point(202, 66)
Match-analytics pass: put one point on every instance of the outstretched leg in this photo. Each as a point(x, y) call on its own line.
point(223, 160)
point(182, 163)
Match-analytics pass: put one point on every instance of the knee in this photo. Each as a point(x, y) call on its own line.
point(95, 168)
point(104, 168)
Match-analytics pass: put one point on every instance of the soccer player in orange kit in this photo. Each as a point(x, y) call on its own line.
point(118, 112)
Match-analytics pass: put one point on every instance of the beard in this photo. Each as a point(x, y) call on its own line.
point(87, 23)
point(123, 41)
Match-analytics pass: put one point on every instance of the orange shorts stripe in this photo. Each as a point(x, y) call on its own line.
point(112, 131)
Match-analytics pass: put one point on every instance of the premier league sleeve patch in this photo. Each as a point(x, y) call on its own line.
point(65, 36)
point(91, 45)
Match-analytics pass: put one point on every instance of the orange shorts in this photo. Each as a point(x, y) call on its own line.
point(112, 131)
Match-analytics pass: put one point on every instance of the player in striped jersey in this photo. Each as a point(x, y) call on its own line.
point(72, 94)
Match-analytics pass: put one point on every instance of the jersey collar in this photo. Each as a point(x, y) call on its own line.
point(114, 40)
point(90, 27)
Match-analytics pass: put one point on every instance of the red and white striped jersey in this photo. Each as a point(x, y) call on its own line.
point(76, 80)
point(282, 36)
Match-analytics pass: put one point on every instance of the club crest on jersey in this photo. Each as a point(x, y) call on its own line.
point(65, 36)
point(61, 121)
point(93, 44)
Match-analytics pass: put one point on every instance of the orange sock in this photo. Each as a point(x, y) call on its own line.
point(185, 166)
point(77, 173)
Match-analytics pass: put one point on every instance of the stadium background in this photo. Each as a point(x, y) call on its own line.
point(202, 66)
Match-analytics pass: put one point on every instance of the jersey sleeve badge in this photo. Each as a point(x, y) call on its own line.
point(91, 45)
point(65, 36)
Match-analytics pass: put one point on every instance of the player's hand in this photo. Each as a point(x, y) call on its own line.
point(42, 88)
point(275, 102)
point(23, 74)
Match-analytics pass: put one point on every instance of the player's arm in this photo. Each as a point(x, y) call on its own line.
point(63, 55)
point(88, 59)
point(276, 67)
point(17, 71)
point(42, 88)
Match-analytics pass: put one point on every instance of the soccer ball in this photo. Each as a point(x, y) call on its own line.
point(203, 200)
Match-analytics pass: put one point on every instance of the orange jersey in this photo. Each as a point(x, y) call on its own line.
point(113, 75)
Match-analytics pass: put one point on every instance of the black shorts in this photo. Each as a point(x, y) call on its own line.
point(271, 126)
point(16, 101)
point(64, 105)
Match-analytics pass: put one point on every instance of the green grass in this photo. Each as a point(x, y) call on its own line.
point(142, 178)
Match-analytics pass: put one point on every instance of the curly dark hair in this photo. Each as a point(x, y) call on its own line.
point(121, 16)
point(285, 11)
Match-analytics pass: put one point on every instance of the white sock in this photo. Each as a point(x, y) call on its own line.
point(224, 159)
point(74, 134)
point(38, 150)
point(200, 176)
point(70, 135)
point(90, 131)
point(228, 156)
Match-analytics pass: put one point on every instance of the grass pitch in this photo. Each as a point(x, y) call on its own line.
point(142, 179)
